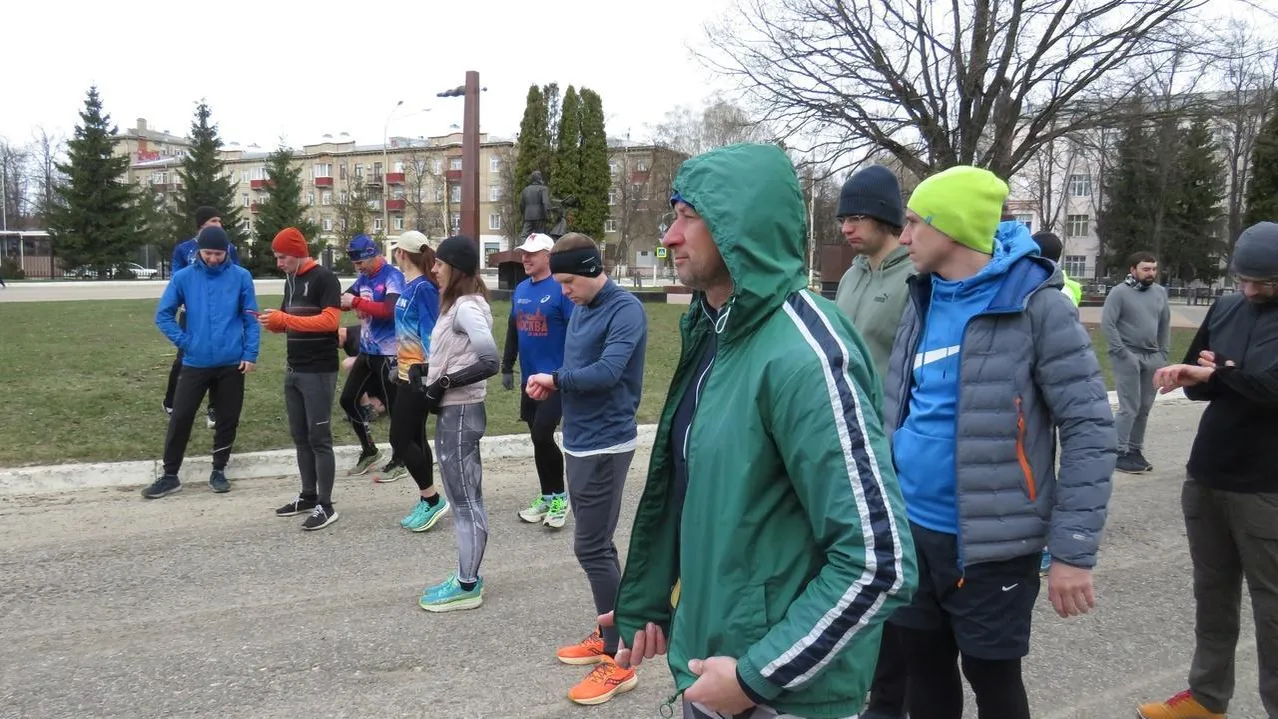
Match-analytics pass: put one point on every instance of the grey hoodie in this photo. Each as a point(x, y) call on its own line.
point(875, 300)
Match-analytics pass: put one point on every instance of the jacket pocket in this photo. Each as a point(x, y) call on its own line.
point(746, 621)
point(1031, 488)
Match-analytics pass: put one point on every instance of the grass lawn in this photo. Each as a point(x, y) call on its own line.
point(83, 382)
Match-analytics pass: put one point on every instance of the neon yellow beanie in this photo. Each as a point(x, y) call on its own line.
point(963, 202)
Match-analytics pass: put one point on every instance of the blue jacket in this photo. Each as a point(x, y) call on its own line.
point(184, 255)
point(602, 376)
point(221, 323)
point(1024, 371)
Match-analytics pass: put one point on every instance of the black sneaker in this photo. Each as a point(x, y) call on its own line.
point(165, 485)
point(218, 483)
point(300, 505)
point(1130, 463)
point(320, 517)
point(1140, 458)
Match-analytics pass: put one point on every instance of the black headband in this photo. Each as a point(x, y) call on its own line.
point(583, 261)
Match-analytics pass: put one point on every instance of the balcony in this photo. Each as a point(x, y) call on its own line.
point(257, 184)
point(394, 178)
point(453, 175)
point(254, 208)
point(396, 205)
point(638, 177)
point(324, 182)
point(373, 181)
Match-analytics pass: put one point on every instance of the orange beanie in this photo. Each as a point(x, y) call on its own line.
point(290, 242)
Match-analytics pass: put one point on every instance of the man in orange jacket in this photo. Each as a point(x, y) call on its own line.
point(309, 316)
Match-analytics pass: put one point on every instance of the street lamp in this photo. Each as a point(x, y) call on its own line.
point(470, 152)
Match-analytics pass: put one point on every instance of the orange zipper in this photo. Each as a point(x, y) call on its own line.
point(1020, 451)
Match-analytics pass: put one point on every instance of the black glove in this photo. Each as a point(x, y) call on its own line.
point(507, 380)
point(417, 377)
point(434, 392)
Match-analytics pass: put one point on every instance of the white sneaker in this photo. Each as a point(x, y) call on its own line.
point(557, 512)
point(536, 512)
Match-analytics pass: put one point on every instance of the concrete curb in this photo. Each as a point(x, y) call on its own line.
point(272, 463)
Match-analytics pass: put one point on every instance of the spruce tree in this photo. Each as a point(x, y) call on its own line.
point(533, 147)
point(596, 178)
point(155, 223)
point(282, 207)
point(1124, 223)
point(205, 181)
point(566, 169)
point(1192, 244)
point(94, 222)
point(1262, 190)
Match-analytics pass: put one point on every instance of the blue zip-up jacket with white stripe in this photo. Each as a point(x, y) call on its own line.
point(791, 547)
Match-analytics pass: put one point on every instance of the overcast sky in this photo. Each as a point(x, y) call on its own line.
point(300, 70)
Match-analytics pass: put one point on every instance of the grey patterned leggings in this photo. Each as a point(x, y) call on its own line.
point(457, 433)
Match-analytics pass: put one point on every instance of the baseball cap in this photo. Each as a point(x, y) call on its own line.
point(537, 242)
point(411, 241)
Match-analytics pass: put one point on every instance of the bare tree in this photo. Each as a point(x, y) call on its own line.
point(1251, 84)
point(1046, 179)
point(15, 169)
point(639, 197)
point(46, 152)
point(420, 189)
point(512, 220)
point(979, 82)
point(718, 123)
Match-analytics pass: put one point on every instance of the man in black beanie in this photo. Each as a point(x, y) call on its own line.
point(184, 254)
point(1230, 495)
point(873, 293)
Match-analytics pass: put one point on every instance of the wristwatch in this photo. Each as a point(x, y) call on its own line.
point(445, 382)
point(554, 377)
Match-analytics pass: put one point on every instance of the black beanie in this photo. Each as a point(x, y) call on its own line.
point(874, 192)
point(213, 238)
point(1049, 245)
point(204, 214)
point(1256, 252)
point(460, 252)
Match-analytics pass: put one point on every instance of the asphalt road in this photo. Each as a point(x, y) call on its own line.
point(202, 605)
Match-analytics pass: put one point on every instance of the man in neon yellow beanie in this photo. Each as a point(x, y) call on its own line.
point(990, 361)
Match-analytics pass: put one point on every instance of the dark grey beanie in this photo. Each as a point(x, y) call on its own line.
point(874, 192)
point(1256, 252)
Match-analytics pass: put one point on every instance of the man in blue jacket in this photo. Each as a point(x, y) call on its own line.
point(184, 255)
point(989, 364)
point(219, 345)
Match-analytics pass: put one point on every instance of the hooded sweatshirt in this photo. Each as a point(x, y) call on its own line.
point(924, 446)
point(221, 328)
point(875, 299)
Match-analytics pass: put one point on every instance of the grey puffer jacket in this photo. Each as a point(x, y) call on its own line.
point(1026, 370)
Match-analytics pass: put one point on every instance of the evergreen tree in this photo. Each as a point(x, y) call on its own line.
point(596, 178)
point(1262, 190)
point(155, 223)
point(532, 150)
point(1125, 221)
point(550, 97)
point(205, 180)
point(566, 169)
point(281, 208)
point(94, 221)
point(1192, 244)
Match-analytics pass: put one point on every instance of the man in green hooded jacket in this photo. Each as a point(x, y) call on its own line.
point(771, 542)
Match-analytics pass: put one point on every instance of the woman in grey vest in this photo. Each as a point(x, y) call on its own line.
point(463, 355)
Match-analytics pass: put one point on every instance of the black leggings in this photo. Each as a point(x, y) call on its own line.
point(936, 690)
point(408, 435)
point(368, 376)
point(542, 419)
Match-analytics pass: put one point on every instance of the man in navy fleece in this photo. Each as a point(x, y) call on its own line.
point(600, 383)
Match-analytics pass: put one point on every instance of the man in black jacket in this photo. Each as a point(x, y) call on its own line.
point(1230, 496)
point(534, 203)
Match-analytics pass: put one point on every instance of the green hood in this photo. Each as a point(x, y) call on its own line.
point(749, 196)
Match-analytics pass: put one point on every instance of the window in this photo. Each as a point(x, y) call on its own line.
point(398, 193)
point(310, 198)
point(341, 197)
point(494, 164)
point(398, 223)
point(641, 166)
point(246, 199)
point(454, 193)
point(328, 224)
point(456, 222)
point(439, 193)
point(494, 221)
point(1027, 220)
point(322, 169)
point(612, 197)
point(246, 225)
point(455, 164)
point(399, 166)
point(612, 167)
point(437, 166)
point(341, 171)
point(1076, 225)
point(257, 173)
point(359, 170)
point(494, 193)
point(326, 198)
point(159, 178)
point(341, 223)
point(1080, 185)
point(610, 225)
point(1075, 265)
point(377, 224)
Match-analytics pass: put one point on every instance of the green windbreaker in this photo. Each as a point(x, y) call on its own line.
point(793, 545)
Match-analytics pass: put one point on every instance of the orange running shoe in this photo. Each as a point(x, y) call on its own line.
point(587, 651)
point(603, 683)
point(1180, 706)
